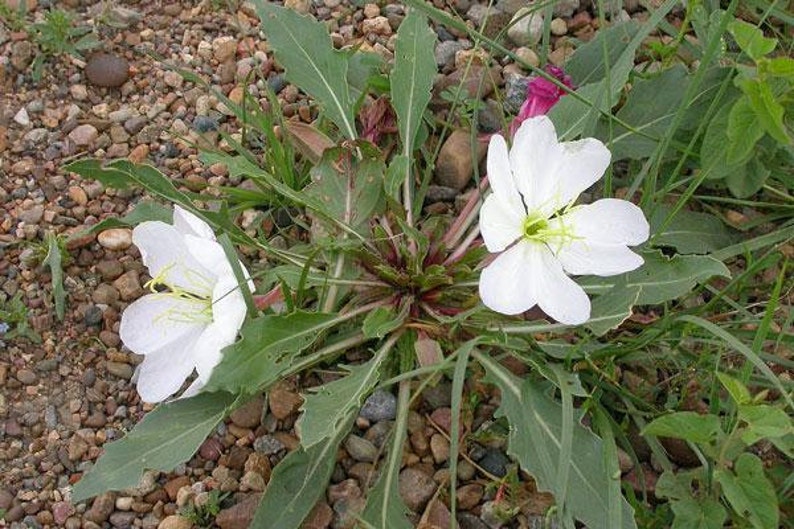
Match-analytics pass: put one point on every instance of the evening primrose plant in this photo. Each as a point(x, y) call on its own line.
point(364, 279)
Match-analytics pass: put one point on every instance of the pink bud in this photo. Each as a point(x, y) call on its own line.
point(542, 94)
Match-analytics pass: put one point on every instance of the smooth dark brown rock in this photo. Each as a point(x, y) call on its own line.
point(105, 69)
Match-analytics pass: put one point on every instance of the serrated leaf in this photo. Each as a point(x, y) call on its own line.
point(165, 437)
point(535, 440)
point(765, 422)
point(53, 261)
point(303, 47)
point(611, 309)
point(766, 107)
point(269, 345)
point(661, 278)
point(326, 409)
point(687, 425)
point(690, 232)
point(750, 492)
point(380, 322)
point(298, 482)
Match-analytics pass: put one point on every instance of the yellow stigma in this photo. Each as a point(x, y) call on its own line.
point(534, 226)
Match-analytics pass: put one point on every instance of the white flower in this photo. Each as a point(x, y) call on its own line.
point(534, 187)
point(185, 327)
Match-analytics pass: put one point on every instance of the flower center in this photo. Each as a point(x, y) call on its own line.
point(534, 225)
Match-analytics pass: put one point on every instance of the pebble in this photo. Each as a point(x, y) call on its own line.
point(526, 27)
point(32, 215)
point(240, 515)
point(129, 285)
point(558, 27)
point(455, 165)
point(204, 124)
point(22, 118)
point(445, 53)
point(361, 449)
point(249, 415)
point(93, 315)
point(495, 462)
point(116, 239)
point(101, 508)
point(268, 445)
point(416, 488)
point(26, 376)
point(107, 70)
point(224, 48)
point(320, 517)
point(528, 56)
point(439, 447)
point(84, 135)
point(105, 294)
point(175, 521)
point(469, 495)
point(381, 405)
point(119, 369)
point(283, 401)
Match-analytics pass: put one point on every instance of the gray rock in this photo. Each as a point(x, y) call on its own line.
point(204, 124)
point(380, 406)
point(495, 462)
point(467, 520)
point(93, 315)
point(445, 52)
point(416, 488)
point(360, 449)
point(268, 445)
point(526, 27)
point(515, 92)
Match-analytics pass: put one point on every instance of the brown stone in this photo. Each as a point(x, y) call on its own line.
point(457, 159)
point(240, 515)
point(105, 69)
point(173, 486)
point(283, 401)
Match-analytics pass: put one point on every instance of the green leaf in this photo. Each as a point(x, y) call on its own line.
point(141, 212)
point(412, 76)
point(751, 39)
point(750, 492)
point(268, 348)
point(768, 110)
point(303, 47)
point(53, 260)
point(385, 508)
point(686, 425)
point(362, 67)
point(764, 422)
point(298, 482)
point(780, 67)
point(601, 82)
point(649, 108)
point(165, 437)
point(609, 310)
point(689, 231)
point(327, 408)
point(747, 179)
point(744, 131)
point(535, 440)
point(738, 391)
point(661, 278)
point(693, 514)
point(381, 322)
point(349, 189)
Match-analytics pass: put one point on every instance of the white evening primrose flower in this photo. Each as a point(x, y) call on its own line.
point(543, 237)
point(184, 327)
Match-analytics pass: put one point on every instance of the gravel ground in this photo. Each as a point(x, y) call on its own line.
point(63, 398)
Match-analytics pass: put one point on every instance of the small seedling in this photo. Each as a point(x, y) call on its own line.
point(57, 36)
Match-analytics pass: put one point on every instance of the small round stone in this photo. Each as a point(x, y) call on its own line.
point(108, 70)
point(380, 406)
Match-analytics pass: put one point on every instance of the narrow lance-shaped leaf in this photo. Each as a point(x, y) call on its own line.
point(326, 409)
point(54, 261)
point(302, 45)
point(299, 481)
point(535, 440)
point(166, 437)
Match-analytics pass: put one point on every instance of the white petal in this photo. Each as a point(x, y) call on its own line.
point(156, 321)
point(506, 284)
point(582, 163)
point(189, 224)
point(500, 224)
point(583, 257)
point(228, 313)
point(608, 221)
point(558, 295)
point(534, 158)
point(167, 257)
point(212, 256)
point(500, 175)
point(163, 373)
